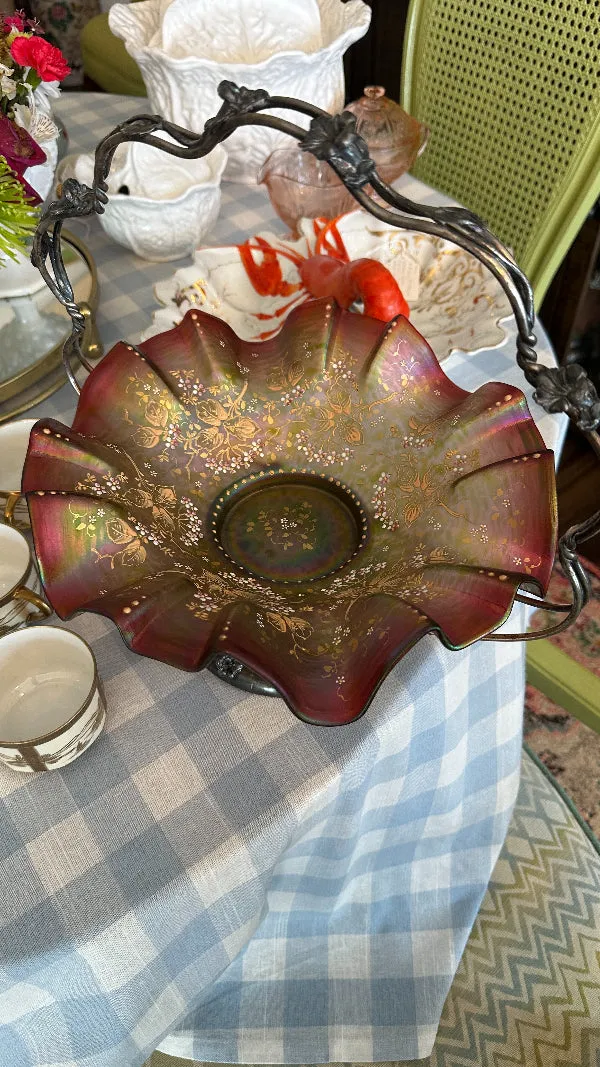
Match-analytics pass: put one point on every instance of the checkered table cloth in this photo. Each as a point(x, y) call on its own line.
point(225, 881)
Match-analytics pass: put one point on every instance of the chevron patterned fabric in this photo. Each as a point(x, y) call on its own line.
point(527, 991)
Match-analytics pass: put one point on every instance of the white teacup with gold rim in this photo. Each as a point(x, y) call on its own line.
point(51, 704)
point(14, 440)
point(20, 600)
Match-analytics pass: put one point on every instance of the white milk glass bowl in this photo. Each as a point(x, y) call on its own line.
point(160, 207)
point(184, 48)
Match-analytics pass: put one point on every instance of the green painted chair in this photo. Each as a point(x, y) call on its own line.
point(106, 60)
point(564, 681)
point(511, 93)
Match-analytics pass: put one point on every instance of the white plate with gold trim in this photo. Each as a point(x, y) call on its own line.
point(455, 302)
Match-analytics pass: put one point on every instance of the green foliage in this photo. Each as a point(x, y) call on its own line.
point(18, 218)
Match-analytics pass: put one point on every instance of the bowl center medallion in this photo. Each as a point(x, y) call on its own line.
point(289, 526)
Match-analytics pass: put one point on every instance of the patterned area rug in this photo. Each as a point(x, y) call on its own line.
point(570, 750)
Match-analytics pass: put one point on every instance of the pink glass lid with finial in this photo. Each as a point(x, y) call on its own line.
point(394, 137)
point(301, 186)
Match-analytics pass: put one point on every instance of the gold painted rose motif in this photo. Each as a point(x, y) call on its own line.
point(312, 504)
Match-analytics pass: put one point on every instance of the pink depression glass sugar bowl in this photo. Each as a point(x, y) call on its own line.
point(301, 186)
point(394, 137)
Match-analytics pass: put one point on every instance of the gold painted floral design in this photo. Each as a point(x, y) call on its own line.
point(292, 527)
point(453, 485)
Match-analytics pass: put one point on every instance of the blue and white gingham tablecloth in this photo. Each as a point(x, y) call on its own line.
point(215, 876)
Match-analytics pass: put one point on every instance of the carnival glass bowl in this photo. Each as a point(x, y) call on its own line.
point(311, 505)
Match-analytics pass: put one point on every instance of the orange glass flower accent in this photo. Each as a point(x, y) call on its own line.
point(311, 505)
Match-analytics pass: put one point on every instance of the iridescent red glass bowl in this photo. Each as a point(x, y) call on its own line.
point(311, 505)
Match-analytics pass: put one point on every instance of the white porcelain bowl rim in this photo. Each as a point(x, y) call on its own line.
point(182, 61)
point(166, 201)
point(123, 198)
point(213, 182)
point(19, 430)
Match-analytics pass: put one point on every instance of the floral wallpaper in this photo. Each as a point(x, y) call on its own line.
point(62, 22)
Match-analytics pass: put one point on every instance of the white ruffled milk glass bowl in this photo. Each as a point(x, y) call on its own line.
point(159, 206)
point(185, 48)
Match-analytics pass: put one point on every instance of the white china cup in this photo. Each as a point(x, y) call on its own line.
point(51, 704)
point(20, 601)
point(14, 441)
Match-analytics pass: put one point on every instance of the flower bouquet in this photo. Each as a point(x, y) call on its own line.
point(30, 70)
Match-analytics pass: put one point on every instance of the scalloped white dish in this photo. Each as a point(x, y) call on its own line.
point(459, 305)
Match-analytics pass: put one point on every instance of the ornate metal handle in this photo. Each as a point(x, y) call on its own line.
point(580, 584)
point(334, 138)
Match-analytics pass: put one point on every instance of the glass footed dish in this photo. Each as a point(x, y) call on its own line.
point(311, 505)
point(301, 186)
point(395, 139)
